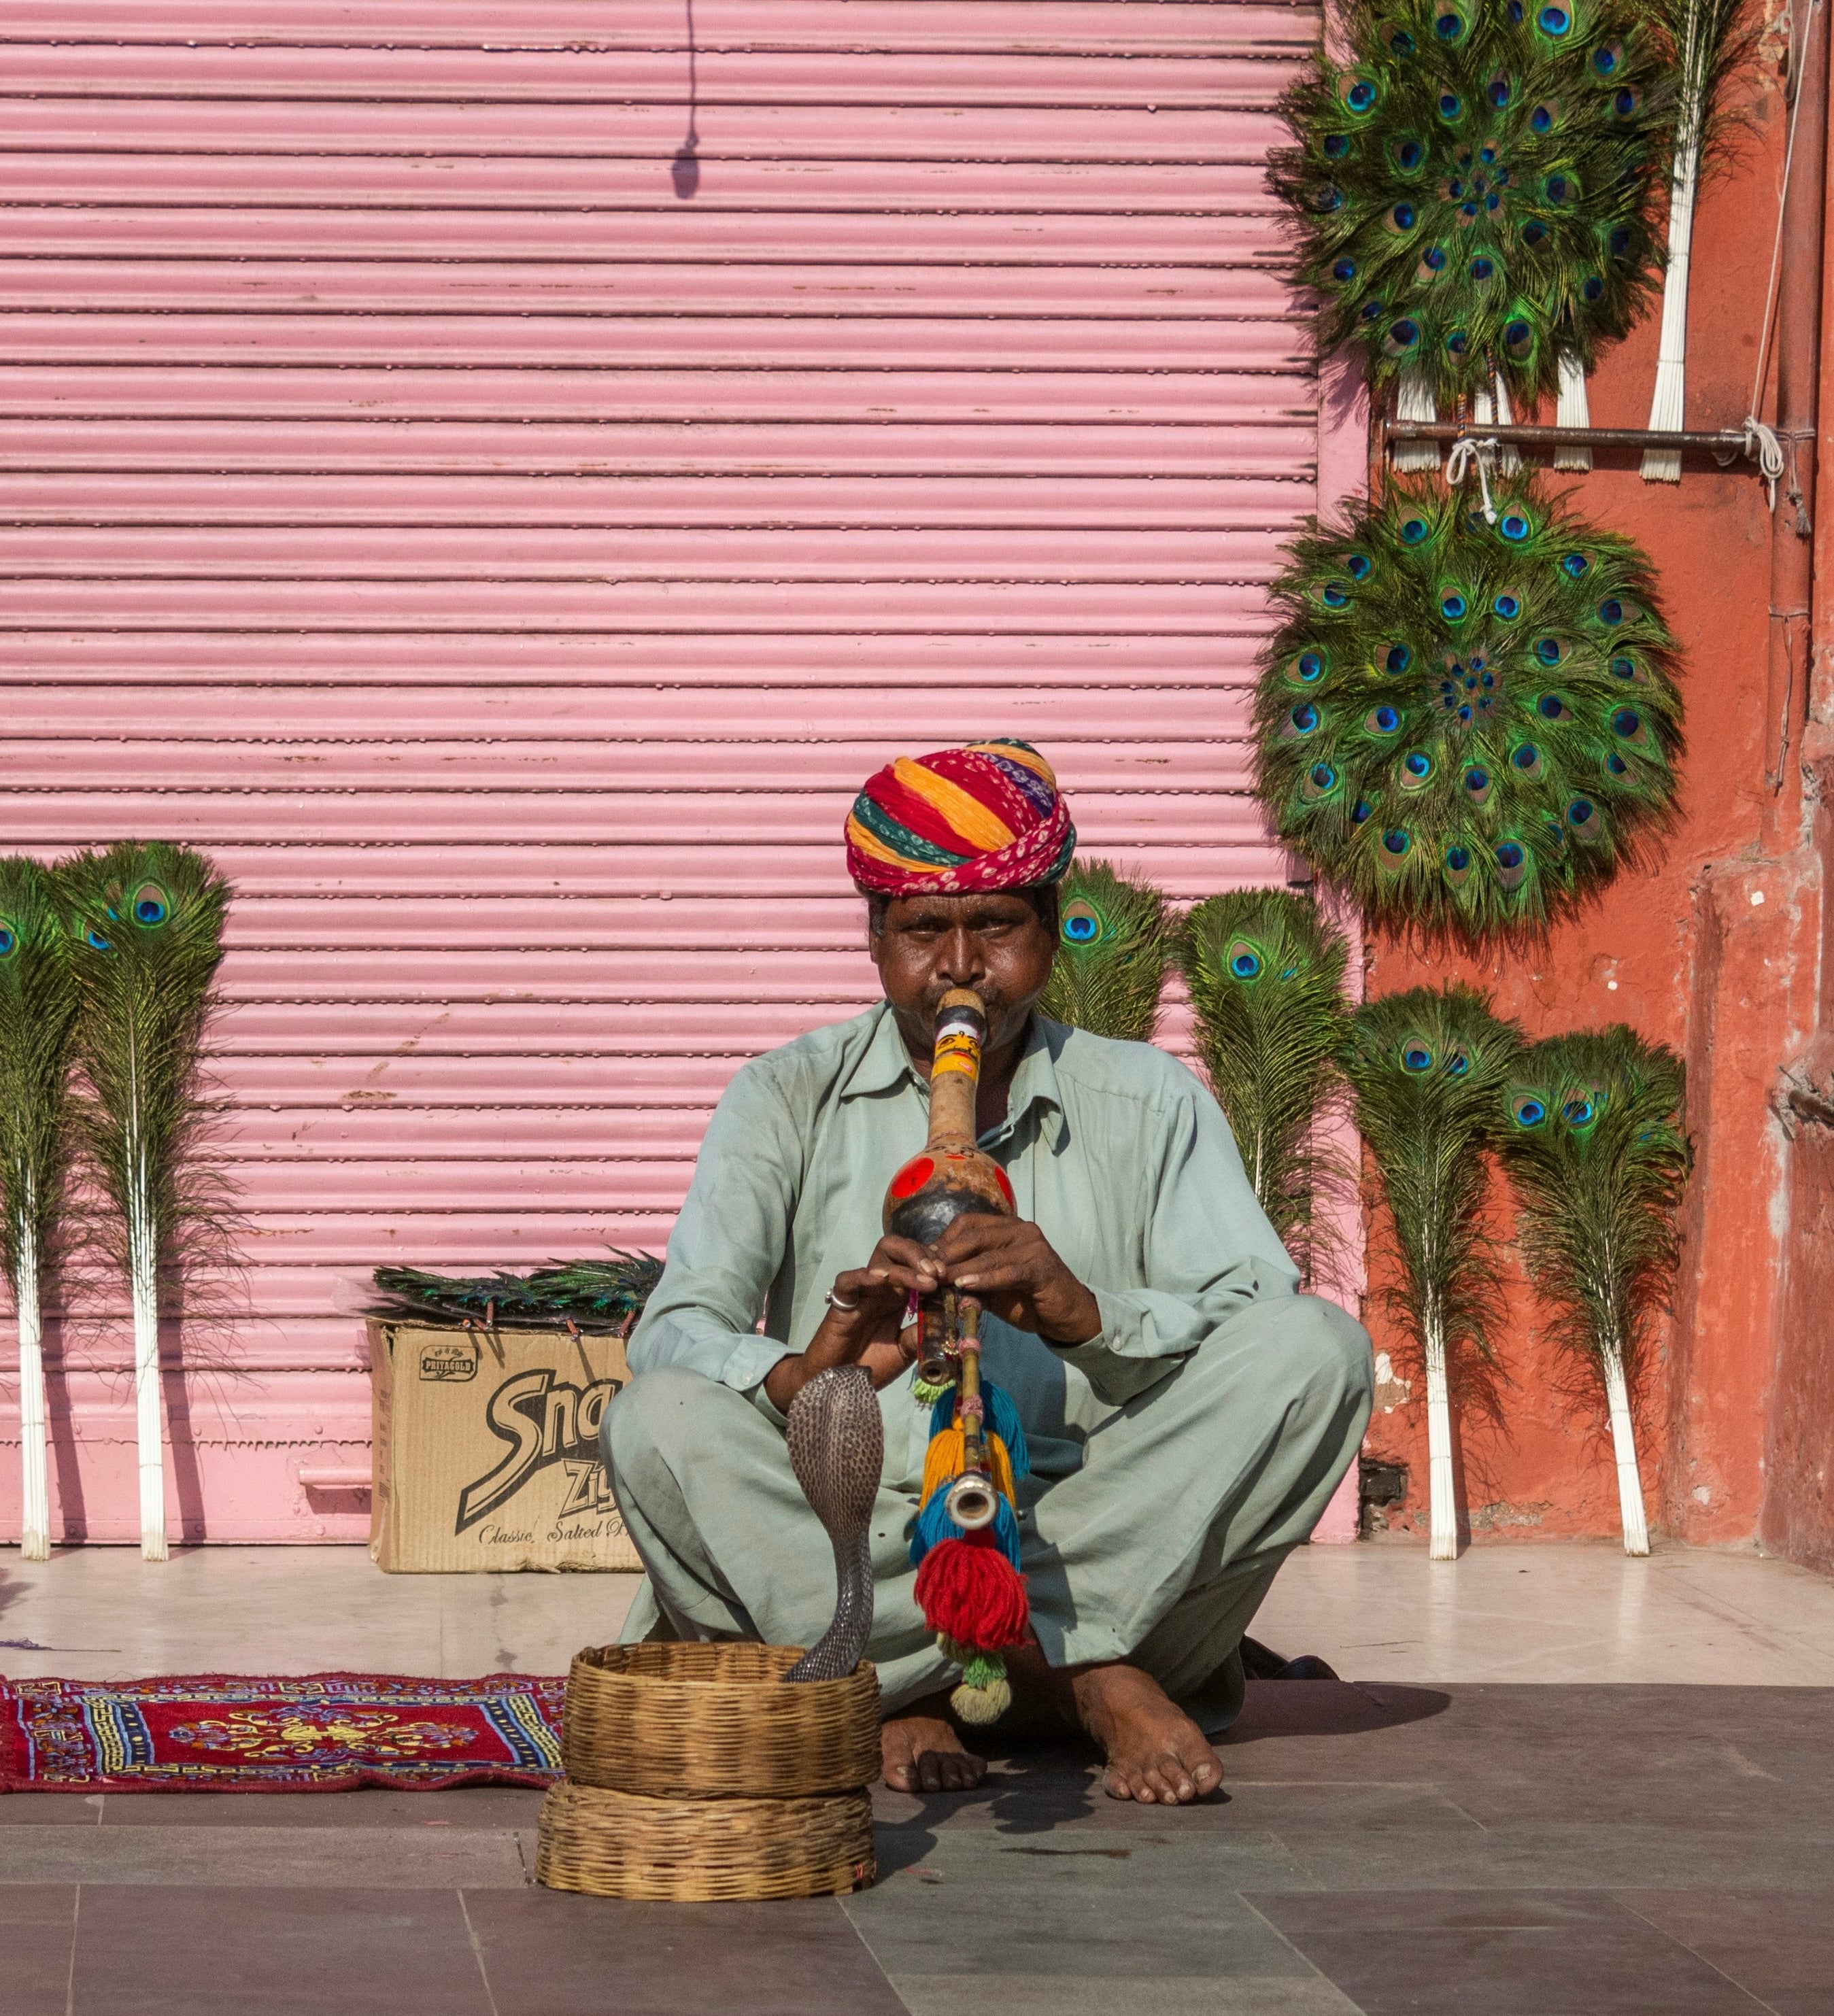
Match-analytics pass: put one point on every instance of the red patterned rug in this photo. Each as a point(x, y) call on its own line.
point(326, 1733)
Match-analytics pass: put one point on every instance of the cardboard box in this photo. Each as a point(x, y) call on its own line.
point(487, 1450)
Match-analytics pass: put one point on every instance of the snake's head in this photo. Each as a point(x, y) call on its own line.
point(837, 1439)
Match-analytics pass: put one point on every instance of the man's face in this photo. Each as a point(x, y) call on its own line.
point(994, 944)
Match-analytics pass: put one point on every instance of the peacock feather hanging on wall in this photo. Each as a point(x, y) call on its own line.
point(1471, 726)
point(589, 1295)
point(37, 1005)
point(1428, 1068)
point(1265, 973)
point(1592, 1137)
point(1472, 189)
point(146, 921)
point(1116, 935)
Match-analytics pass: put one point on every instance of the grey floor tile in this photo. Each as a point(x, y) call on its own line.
point(1072, 1995)
point(1780, 1946)
point(1114, 1906)
point(386, 1858)
point(38, 1927)
point(1451, 1952)
point(548, 1953)
point(490, 1807)
point(51, 1809)
point(290, 1952)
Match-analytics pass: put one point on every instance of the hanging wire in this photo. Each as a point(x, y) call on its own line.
point(1760, 441)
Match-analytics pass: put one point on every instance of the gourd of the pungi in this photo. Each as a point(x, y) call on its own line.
point(1470, 726)
point(1266, 973)
point(38, 1003)
point(1115, 938)
point(146, 926)
point(1470, 192)
point(1428, 1068)
point(1592, 1137)
point(1708, 38)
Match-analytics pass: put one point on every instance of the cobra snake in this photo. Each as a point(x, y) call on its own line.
point(837, 1448)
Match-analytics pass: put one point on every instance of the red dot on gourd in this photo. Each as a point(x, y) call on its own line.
point(912, 1176)
point(1005, 1189)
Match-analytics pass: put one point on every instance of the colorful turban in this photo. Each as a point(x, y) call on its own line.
point(960, 821)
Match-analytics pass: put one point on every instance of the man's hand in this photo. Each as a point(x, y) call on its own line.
point(869, 1333)
point(1010, 1267)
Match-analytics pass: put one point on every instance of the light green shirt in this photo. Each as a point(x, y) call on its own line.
point(1115, 1150)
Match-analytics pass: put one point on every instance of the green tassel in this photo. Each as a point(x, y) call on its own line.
point(927, 1393)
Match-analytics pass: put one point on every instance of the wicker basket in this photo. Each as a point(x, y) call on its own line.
point(715, 1722)
point(620, 1844)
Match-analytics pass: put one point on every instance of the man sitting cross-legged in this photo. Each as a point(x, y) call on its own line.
point(1188, 1413)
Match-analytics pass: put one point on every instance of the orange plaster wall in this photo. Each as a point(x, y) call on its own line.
point(1713, 951)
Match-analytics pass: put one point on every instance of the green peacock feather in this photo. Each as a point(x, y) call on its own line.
point(38, 1007)
point(1115, 937)
point(1472, 190)
point(1593, 1138)
point(146, 921)
point(1265, 973)
point(1428, 1068)
point(587, 1294)
point(1470, 726)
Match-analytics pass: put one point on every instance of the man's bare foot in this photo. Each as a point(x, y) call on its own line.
point(921, 1752)
point(1156, 1753)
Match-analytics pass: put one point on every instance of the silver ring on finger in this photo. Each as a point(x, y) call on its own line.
point(834, 1302)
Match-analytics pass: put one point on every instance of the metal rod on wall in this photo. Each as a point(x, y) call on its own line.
point(1727, 443)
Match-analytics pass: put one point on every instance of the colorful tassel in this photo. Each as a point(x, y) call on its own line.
point(969, 1585)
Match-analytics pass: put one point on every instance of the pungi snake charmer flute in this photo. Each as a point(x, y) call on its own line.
point(966, 1544)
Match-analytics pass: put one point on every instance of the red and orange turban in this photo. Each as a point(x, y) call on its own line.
point(958, 821)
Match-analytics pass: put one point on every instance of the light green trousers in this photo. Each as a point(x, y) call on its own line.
point(1151, 1528)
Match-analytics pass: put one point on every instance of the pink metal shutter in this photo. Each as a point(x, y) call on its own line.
point(502, 510)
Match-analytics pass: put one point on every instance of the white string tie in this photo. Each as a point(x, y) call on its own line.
point(1467, 454)
point(1762, 446)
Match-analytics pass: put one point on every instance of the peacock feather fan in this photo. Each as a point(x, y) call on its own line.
point(1472, 190)
point(38, 1007)
point(1116, 935)
point(146, 921)
point(1470, 726)
point(1428, 1069)
point(1592, 1137)
point(1265, 973)
point(594, 1295)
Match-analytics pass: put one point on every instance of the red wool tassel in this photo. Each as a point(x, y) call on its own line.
point(970, 1593)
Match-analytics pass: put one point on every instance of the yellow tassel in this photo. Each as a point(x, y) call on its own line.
point(979, 1706)
point(943, 1460)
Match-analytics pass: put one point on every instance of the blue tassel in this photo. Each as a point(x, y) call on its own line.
point(935, 1526)
point(1003, 1420)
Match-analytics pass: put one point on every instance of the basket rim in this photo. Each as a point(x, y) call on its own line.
point(591, 1658)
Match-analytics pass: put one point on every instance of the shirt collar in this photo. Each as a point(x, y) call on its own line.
point(886, 1065)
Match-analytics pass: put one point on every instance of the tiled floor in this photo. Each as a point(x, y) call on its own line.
point(1581, 1840)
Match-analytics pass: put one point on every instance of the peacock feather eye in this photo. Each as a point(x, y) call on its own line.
point(1308, 667)
point(1477, 784)
point(1526, 1110)
point(1497, 90)
point(1328, 197)
point(1534, 233)
point(95, 941)
point(1417, 769)
point(1408, 154)
point(1457, 864)
point(1545, 116)
point(1244, 961)
point(1381, 720)
point(1358, 566)
point(1582, 815)
point(1511, 864)
point(1616, 764)
point(1082, 921)
point(1345, 270)
point(1304, 718)
point(150, 906)
point(1403, 217)
point(1458, 1063)
point(1334, 595)
point(1548, 650)
point(1507, 607)
point(1433, 260)
point(1457, 342)
point(1551, 707)
point(1396, 842)
point(1519, 339)
point(1402, 337)
point(8, 939)
point(1620, 241)
point(1579, 1111)
point(1608, 58)
point(1416, 1055)
point(1554, 20)
point(1396, 659)
point(1451, 111)
point(1359, 94)
point(1526, 758)
point(1320, 782)
point(1576, 566)
point(1397, 39)
point(1361, 812)
point(1482, 268)
point(1560, 189)
point(1413, 531)
point(1336, 146)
